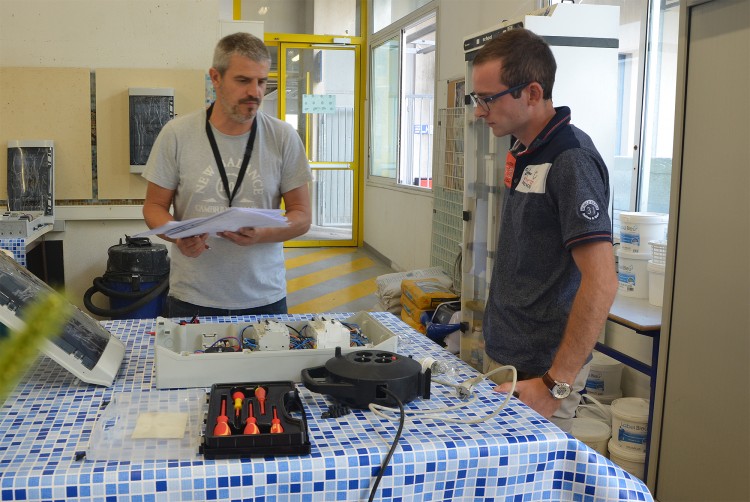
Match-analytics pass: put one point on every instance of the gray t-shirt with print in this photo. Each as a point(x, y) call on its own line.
point(227, 275)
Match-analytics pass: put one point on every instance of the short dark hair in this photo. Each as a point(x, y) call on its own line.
point(525, 56)
point(243, 44)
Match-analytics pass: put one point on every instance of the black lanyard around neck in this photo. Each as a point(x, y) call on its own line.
point(220, 163)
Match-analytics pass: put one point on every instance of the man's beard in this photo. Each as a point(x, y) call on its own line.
point(234, 113)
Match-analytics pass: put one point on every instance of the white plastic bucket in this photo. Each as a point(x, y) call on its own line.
point(631, 461)
point(655, 283)
point(604, 377)
point(632, 274)
point(637, 229)
point(630, 423)
point(592, 432)
point(591, 407)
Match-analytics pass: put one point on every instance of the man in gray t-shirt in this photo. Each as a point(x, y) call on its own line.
point(229, 155)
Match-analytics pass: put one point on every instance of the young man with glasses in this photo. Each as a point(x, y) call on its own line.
point(554, 278)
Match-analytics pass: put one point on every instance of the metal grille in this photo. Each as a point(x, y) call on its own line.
point(448, 191)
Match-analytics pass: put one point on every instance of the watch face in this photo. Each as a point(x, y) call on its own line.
point(561, 390)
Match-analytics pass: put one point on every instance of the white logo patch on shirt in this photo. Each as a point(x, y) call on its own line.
point(534, 179)
point(589, 209)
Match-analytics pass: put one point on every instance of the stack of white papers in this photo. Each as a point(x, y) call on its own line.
point(230, 220)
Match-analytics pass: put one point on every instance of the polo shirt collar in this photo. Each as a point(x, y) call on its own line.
point(560, 119)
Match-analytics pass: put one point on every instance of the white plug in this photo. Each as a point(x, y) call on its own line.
point(464, 389)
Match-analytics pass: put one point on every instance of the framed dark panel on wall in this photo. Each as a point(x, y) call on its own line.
point(149, 110)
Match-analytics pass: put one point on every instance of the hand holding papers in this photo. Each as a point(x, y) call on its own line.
point(230, 220)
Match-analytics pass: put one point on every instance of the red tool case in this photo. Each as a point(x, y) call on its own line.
point(281, 424)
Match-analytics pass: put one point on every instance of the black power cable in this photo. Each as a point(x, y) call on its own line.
point(387, 458)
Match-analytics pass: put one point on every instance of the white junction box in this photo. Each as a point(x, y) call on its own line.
point(200, 355)
point(273, 335)
point(328, 333)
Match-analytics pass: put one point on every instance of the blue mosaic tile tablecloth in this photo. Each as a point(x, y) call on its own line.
point(516, 455)
point(17, 246)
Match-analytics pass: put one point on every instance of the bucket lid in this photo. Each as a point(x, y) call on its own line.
point(634, 409)
point(624, 453)
point(589, 429)
point(655, 267)
point(643, 217)
point(628, 255)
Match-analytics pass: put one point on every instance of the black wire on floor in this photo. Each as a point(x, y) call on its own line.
point(387, 458)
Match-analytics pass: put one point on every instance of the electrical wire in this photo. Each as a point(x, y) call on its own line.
point(464, 391)
point(387, 458)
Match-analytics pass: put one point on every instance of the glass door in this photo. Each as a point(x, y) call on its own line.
point(319, 96)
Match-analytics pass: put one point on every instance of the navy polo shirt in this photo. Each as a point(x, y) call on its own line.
point(556, 197)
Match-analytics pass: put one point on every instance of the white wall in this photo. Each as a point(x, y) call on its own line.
point(108, 34)
point(398, 225)
point(175, 34)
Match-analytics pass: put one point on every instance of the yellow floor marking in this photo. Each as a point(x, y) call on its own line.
point(329, 302)
point(314, 278)
point(315, 256)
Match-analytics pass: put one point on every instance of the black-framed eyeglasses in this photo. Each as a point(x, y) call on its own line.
point(484, 101)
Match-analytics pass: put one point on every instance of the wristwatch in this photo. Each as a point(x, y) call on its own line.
point(559, 390)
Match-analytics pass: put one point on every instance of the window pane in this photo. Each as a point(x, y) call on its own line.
point(386, 12)
point(384, 109)
point(633, 16)
point(658, 131)
point(417, 106)
point(331, 193)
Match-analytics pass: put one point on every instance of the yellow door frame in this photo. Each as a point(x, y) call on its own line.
point(360, 85)
point(294, 41)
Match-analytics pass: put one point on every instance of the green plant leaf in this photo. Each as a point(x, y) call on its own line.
point(44, 318)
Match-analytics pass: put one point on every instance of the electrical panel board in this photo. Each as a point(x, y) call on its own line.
point(202, 354)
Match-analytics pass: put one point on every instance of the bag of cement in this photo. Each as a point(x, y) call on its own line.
point(412, 323)
point(389, 285)
point(426, 294)
point(409, 309)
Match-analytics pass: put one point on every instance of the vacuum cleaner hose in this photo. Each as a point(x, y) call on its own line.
point(141, 297)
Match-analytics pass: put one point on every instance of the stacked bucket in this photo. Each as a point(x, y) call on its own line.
point(637, 231)
point(622, 425)
point(627, 448)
